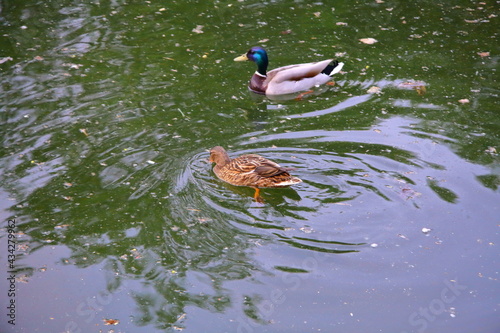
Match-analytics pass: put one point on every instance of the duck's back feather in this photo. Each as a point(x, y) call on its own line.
point(298, 72)
point(295, 78)
point(255, 170)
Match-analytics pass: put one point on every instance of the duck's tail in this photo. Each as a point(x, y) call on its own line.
point(288, 182)
point(333, 68)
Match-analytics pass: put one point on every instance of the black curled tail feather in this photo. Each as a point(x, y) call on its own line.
point(331, 66)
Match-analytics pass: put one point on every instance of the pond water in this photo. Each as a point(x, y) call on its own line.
point(108, 111)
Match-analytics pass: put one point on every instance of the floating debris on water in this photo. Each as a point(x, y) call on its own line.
point(306, 230)
point(374, 90)
point(426, 230)
point(368, 41)
point(491, 150)
point(198, 29)
point(111, 321)
point(5, 59)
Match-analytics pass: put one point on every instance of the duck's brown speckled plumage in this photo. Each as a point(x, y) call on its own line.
point(250, 170)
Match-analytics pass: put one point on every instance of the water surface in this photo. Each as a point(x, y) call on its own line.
point(109, 109)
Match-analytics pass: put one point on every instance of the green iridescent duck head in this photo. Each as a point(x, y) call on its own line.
point(259, 56)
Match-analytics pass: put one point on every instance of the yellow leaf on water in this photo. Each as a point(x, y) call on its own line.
point(421, 90)
point(111, 321)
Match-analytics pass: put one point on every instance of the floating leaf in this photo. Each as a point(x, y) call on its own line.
point(5, 59)
point(111, 321)
point(368, 40)
point(411, 84)
point(198, 29)
point(419, 86)
point(421, 90)
point(491, 150)
point(374, 90)
point(306, 230)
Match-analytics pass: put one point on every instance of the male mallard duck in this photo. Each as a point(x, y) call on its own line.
point(250, 170)
point(289, 79)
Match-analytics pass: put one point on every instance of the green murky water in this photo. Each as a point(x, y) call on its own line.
point(108, 109)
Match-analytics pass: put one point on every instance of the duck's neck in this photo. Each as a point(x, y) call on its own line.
point(223, 159)
point(262, 66)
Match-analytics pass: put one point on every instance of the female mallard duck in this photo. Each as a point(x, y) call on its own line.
point(250, 170)
point(289, 79)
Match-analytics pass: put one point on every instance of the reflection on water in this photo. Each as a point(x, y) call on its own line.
point(108, 112)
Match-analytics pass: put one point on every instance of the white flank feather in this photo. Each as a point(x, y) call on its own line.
point(337, 69)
